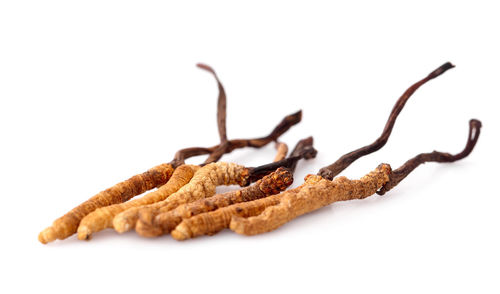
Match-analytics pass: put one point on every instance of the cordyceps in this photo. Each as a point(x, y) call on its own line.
point(68, 224)
point(269, 213)
point(167, 220)
point(318, 191)
point(202, 185)
point(162, 218)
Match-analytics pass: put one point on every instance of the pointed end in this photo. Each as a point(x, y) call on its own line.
point(295, 117)
point(206, 67)
point(440, 70)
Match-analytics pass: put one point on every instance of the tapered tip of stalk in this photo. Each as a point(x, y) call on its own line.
point(295, 117)
point(440, 70)
point(475, 123)
point(475, 128)
point(306, 141)
point(206, 67)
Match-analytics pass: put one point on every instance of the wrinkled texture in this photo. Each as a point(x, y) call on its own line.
point(67, 225)
point(316, 193)
point(271, 184)
point(102, 218)
point(202, 185)
point(269, 213)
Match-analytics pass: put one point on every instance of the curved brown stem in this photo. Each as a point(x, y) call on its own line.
point(217, 151)
point(329, 172)
point(221, 104)
point(225, 145)
point(399, 174)
point(280, 129)
point(303, 149)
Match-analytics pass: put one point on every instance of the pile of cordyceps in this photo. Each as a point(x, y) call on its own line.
point(185, 204)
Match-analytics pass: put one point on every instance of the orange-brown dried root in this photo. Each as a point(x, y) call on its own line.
point(202, 185)
point(316, 193)
point(67, 225)
point(271, 184)
point(210, 223)
point(266, 214)
point(102, 218)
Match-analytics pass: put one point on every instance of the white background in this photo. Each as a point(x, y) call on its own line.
point(94, 92)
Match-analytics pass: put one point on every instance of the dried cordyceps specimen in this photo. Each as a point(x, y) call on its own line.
point(202, 185)
point(315, 193)
point(102, 218)
point(303, 149)
point(269, 213)
point(209, 218)
point(66, 225)
point(225, 145)
point(164, 222)
point(126, 219)
point(399, 174)
point(159, 175)
point(212, 222)
point(329, 172)
point(185, 206)
point(282, 207)
point(269, 185)
point(318, 192)
point(218, 150)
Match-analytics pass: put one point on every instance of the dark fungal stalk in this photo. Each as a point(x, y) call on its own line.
point(331, 171)
point(303, 150)
point(221, 104)
point(402, 172)
point(225, 145)
point(267, 214)
point(215, 152)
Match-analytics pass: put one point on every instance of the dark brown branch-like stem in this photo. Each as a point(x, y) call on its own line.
point(217, 151)
point(221, 104)
point(329, 172)
point(399, 174)
point(225, 145)
point(303, 149)
point(279, 130)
